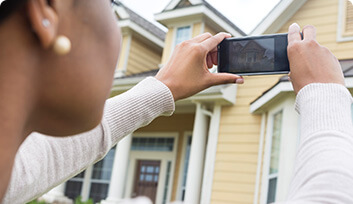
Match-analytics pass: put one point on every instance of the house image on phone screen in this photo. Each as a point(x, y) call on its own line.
point(228, 144)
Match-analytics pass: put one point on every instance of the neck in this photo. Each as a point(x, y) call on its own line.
point(17, 94)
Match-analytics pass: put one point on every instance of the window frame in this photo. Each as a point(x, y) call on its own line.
point(87, 179)
point(179, 192)
point(290, 128)
point(342, 35)
point(176, 32)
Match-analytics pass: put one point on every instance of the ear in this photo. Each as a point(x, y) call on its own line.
point(38, 12)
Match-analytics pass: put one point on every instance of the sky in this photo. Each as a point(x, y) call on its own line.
point(245, 14)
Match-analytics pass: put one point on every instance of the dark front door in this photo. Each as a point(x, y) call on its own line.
point(146, 179)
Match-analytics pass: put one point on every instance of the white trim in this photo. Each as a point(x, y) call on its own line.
point(259, 158)
point(210, 157)
point(141, 31)
point(272, 93)
point(172, 4)
point(86, 185)
point(164, 158)
point(340, 26)
point(222, 94)
point(267, 156)
point(186, 136)
point(349, 82)
point(281, 88)
point(283, 11)
point(181, 25)
point(122, 71)
point(170, 16)
point(289, 135)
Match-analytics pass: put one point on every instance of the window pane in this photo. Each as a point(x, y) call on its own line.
point(182, 34)
point(272, 185)
point(167, 182)
point(99, 191)
point(276, 138)
point(103, 169)
point(152, 144)
point(73, 189)
point(186, 166)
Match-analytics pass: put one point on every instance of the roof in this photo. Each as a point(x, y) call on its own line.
point(278, 16)
point(140, 75)
point(183, 4)
point(126, 13)
point(347, 68)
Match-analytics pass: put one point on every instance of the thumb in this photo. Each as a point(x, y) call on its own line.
point(225, 78)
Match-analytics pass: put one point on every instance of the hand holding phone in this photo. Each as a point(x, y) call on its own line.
point(254, 55)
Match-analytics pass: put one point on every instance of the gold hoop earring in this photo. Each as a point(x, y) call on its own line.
point(62, 45)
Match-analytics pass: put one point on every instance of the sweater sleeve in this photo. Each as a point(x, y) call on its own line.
point(324, 163)
point(43, 162)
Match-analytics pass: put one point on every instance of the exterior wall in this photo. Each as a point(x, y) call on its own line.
point(142, 57)
point(238, 145)
point(123, 53)
point(168, 45)
point(323, 14)
point(210, 30)
point(180, 123)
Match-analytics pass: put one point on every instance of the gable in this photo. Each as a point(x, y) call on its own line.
point(183, 3)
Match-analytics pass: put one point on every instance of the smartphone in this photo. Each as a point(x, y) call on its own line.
point(257, 55)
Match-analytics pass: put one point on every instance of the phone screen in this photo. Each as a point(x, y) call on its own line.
point(254, 55)
point(249, 55)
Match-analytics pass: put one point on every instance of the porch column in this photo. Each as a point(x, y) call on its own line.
point(197, 154)
point(117, 181)
point(57, 195)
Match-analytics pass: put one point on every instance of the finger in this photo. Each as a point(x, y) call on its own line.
point(225, 78)
point(294, 33)
point(211, 43)
point(209, 61)
point(309, 32)
point(201, 38)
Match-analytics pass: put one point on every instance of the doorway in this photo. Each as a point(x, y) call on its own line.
point(146, 179)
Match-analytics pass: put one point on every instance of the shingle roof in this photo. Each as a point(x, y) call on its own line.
point(134, 17)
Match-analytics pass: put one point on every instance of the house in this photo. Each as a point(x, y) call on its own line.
point(227, 144)
point(280, 137)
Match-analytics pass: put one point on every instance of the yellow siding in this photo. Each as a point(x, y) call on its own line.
point(197, 29)
point(142, 57)
point(168, 45)
point(238, 144)
point(180, 123)
point(323, 14)
point(123, 52)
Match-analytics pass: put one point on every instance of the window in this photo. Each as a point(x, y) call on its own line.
point(165, 194)
point(274, 159)
point(94, 181)
point(345, 21)
point(182, 34)
point(152, 144)
point(186, 166)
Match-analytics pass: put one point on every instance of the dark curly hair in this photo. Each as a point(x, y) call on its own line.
point(9, 6)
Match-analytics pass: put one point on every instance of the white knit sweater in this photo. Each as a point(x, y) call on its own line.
point(323, 170)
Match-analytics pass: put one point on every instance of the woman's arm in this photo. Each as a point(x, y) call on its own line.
point(324, 163)
point(43, 162)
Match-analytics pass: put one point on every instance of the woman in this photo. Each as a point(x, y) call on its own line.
point(57, 61)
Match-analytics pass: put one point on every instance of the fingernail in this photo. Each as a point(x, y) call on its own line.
point(239, 81)
point(295, 25)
